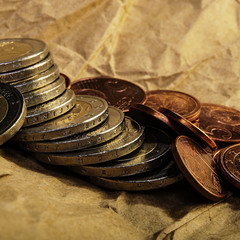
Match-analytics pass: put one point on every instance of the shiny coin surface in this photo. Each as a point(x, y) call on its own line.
point(129, 140)
point(221, 123)
point(199, 168)
point(179, 102)
point(27, 72)
point(40, 80)
point(157, 178)
point(12, 112)
point(118, 93)
point(109, 129)
point(87, 113)
point(51, 109)
point(68, 82)
point(153, 153)
point(16, 53)
point(45, 93)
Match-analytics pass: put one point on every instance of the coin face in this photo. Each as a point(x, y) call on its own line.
point(118, 93)
point(221, 123)
point(199, 168)
point(179, 102)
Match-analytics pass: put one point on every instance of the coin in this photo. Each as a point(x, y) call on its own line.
point(221, 123)
point(27, 72)
point(87, 113)
point(37, 81)
point(154, 152)
point(45, 93)
point(16, 53)
point(68, 82)
point(157, 178)
point(129, 140)
point(179, 102)
point(109, 129)
point(119, 93)
point(50, 109)
point(12, 112)
point(199, 168)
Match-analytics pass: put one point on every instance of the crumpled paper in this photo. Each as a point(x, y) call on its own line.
point(190, 46)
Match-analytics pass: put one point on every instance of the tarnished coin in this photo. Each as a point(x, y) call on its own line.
point(39, 80)
point(87, 113)
point(12, 112)
point(157, 178)
point(118, 93)
point(230, 164)
point(179, 102)
point(129, 140)
point(69, 82)
point(199, 168)
point(16, 53)
point(153, 153)
point(109, 129)
point(27, 72)
point(221, 123)
point(51, 109)
point(45, 93)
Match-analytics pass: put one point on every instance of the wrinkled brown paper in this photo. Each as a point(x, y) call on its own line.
point(189, 45)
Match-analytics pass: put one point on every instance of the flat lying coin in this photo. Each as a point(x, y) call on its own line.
point(157, 178)
point(16, 53)
point(153, 153)
point(12, 112)
point(109, 129)
point(129, 140)
point(87, 113)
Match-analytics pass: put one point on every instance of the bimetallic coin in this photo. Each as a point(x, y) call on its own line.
point(27, 72)
point(129, 140)
point(157, 178)
point(154, 152)
point(45, 93)
point(16, 53)
point(12, 112)
point(109, 129)
point(199, 168)
point(37, 81)
point(51, 109)
point(69, 82)
point(87, 113)
point(119, 93)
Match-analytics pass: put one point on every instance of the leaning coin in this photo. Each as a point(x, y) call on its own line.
point(153, 153)
point(12, 112)
point(157, 178)
point(87, 113)
point(45, 93)
point(199, 168)
point(109, 129)
point(16, 53)
point(27, 72)
point(129, 140)
point(51, 109)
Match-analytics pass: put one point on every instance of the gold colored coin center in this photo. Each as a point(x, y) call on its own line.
point(3, 108)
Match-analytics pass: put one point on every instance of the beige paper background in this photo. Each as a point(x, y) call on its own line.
point(189, 45)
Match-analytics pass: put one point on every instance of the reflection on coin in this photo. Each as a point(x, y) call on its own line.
point(12, 112)
point(87, 113)
point(110, 128)
point(51, 109)
point(68, 82)
point(157, 178)
point(45, 93)
point(129, 140)
point(199, 168)
point(153, 153)
point(120, 93)
point(16, 53)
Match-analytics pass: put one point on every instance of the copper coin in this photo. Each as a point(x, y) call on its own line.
point(179, 102)
point(230, 164)
point(67, 80)
point(119, 93)
point(199, 168)
point(221, 123)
